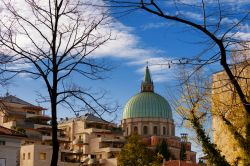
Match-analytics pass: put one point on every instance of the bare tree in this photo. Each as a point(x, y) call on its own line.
point(51, 41)
point(221, 25)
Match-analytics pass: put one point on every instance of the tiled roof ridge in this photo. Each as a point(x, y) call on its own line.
point(10, 132)
point(14, 99)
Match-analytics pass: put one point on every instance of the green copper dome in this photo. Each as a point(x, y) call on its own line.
point(147, 104)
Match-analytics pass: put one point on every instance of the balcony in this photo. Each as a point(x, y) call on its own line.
point(109, 149)
point(10, 124)
point(121, 140)
point(95, 130)
point(37, 116)
point(49, 138)
point(79, 141)
point(24, 124)
point(42, 126)
point(18, 123)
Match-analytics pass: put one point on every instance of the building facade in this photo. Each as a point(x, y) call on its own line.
point(10, 143)
point(149, 115)
point(19, 115)
point(92, 140)
point(226, 103)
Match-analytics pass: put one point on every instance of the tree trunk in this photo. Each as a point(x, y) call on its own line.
point(55, 143)
point(208, 147)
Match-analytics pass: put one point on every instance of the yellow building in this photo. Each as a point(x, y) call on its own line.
point(225, 102)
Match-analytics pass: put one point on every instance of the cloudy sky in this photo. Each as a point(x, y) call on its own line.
point(140, 37)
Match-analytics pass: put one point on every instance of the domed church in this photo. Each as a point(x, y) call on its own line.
point(149, 115)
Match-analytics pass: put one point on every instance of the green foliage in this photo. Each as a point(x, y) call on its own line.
point(136, 153)
point(209, 148)
point(157, 160)
point(18, 129)
point(162, 148)
point(183, 155)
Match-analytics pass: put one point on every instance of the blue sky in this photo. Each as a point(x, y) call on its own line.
point(141, 37)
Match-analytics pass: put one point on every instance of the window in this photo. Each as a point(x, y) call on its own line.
point(2, 142)
point(23, 156)
point(155, 130)
point(135, 129)
point(2, 161)
point(145, 130)
point(127, 130)
point(42, 156)
point(28, 156)
point(164, 131)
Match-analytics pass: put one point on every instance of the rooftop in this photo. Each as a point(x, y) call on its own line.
point(87, 117)
point(13, 99)
point(9, 132)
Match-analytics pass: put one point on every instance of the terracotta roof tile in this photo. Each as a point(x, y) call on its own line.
point(6, 131)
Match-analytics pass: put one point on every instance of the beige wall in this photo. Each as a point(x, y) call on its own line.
point(225, 101)
point(35, 160)
point(128, 126)
point(110, 162)
point(10, 151)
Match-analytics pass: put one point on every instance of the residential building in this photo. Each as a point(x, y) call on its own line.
point(92, 140)
point(19, 115)
point(10, 142)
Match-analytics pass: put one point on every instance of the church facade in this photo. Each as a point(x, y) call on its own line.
point(149, 115)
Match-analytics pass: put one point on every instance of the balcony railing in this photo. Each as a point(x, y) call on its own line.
point(24, 124)
point(38, 126)
point(45, 117)
point(49, 138)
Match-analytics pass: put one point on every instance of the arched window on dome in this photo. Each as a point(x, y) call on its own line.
point(155, 130)
point(135, 129)
point(127, 130)
point(164, 130)
point(145, 130)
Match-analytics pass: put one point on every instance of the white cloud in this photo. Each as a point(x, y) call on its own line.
point(242, 35)
point(125, 43)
